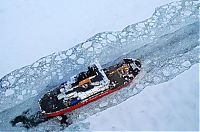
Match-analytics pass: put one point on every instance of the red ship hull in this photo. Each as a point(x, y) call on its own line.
point(63, 111)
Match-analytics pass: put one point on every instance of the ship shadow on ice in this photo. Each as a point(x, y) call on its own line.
point(28, 120)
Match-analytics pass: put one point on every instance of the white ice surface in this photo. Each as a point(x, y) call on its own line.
point(31, 29)
point(172, 105)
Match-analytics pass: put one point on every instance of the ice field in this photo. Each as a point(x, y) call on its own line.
point(167, 45)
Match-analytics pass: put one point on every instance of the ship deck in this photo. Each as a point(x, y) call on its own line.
point(49, 103)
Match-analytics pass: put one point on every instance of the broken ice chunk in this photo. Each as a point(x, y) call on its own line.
point(80, 61)
point(23, 92)
point(9, 92)
point(34, 92)
point(103, 104)
point(186, 64)
point(87, 44)
point(20, 97)
point(111, 37)
point(166, 72)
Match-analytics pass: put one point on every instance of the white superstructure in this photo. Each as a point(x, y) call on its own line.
point(98, 87)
